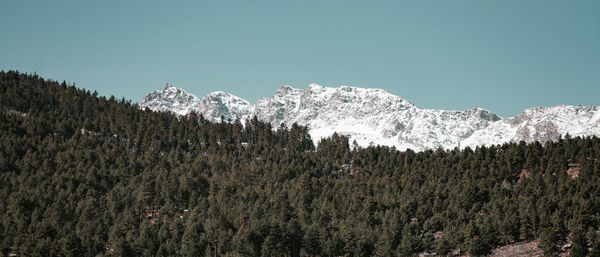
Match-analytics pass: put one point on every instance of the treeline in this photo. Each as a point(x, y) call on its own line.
point(85, 175)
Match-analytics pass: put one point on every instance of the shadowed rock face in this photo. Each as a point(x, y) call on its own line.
point(374, 116)
point(545, 131)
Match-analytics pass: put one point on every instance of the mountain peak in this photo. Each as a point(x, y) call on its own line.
point(170, 99)
point(314, 86)
point(285, 90)
point(219, 94)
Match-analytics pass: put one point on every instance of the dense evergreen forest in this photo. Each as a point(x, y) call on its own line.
point(86, 175)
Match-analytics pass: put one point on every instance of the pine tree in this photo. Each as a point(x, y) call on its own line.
point(595, 240)
point(549, 240)
point(579, 246)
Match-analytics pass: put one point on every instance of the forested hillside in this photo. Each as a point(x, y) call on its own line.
point(85, 175)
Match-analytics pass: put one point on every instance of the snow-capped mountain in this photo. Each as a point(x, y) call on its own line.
point(541, 124)
point(170, 99)
point(376, 117)
point(213, 106)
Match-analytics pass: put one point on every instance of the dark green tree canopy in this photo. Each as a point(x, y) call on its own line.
point(86, 175)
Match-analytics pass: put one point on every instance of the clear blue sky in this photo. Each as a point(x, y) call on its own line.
point(504, 56)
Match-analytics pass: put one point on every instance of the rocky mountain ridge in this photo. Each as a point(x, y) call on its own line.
point(376, 117)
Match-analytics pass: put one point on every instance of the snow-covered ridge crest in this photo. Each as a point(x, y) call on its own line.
point(213, 106)
point(375, 117)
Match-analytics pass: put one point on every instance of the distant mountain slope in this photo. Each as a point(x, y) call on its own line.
point(374, 116)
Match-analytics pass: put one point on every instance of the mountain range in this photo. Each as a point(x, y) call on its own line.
point(376, 117)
